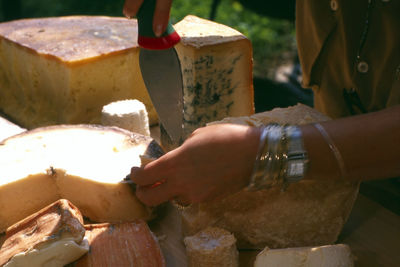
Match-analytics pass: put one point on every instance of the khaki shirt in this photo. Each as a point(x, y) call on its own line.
point(350, 53)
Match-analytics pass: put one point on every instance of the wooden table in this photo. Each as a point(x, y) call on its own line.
point(372, 232)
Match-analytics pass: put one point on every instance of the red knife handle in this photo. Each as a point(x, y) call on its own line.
point(146, 38)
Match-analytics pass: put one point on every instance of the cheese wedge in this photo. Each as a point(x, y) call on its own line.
point(127, 114)
point(53, 236)
point(64, 70)
point(212, 247)
point(308, 213)
point(124, 244)
point(82, 163)
point(217, 72)
point(326, 256)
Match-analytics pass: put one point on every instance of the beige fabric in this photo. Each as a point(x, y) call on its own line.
point(329, 34)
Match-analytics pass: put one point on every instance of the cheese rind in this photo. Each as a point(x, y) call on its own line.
point(52, 236)
point(328, 256)
point(123, 244)
point(83, 163)
point(307, 213)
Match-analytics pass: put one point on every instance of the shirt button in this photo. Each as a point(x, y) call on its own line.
point(334, 5)
point(362, 67)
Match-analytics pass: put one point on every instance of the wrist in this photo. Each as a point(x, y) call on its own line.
point(281, 157)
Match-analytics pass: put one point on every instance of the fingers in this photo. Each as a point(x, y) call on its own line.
point(152, 173)
point(131, 7)
point(161, 16)
point(155, 195)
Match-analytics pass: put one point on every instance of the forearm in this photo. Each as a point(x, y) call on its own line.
point(368, 144)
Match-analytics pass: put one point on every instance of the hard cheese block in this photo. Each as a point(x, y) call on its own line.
point(123, 244)
point(216, 63)
point(84, 164)
point(53, 236)
point(308, 213)
point(64, 70)
point(326, 256)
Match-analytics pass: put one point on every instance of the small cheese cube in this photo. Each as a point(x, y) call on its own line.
point(127, 114)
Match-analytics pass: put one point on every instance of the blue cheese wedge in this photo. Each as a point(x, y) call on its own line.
point(216, 63)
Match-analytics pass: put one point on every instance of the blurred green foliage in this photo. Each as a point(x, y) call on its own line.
point(273, 40)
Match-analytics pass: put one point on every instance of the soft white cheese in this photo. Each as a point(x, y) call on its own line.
point(326, 256)
point(55, 254)
point(128, 114)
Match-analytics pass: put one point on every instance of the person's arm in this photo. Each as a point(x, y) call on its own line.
point(368, 144)
point(161, 13)
point(218, 160)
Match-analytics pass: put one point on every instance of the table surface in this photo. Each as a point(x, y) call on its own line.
point(372, 231)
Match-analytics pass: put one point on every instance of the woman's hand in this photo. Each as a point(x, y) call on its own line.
point(213, 162)
point(161, 13)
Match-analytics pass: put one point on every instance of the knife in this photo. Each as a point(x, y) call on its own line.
point(161, 71)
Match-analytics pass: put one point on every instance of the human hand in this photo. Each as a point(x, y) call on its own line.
point(213, 162)
point(161, 13)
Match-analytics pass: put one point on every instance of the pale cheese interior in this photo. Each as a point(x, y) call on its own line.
point(85, 166)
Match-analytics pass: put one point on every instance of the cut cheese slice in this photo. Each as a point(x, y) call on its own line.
point(84, 164)
point(124, 244)
point(53, 236)
point(307, 213)
point(129, 114)
point(326, 256)
point(64, 70)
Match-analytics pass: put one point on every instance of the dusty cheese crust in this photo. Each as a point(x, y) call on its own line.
point(84, 164)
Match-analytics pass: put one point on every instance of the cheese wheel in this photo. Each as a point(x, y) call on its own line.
point(85, 164)
point(127, 114)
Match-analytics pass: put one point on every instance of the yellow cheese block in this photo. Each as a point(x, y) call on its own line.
point(81, 163)
point(64, 70)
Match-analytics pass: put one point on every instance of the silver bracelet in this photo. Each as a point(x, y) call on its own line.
point(281, 158)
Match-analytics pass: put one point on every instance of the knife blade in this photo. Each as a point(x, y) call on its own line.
point(161, 71)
